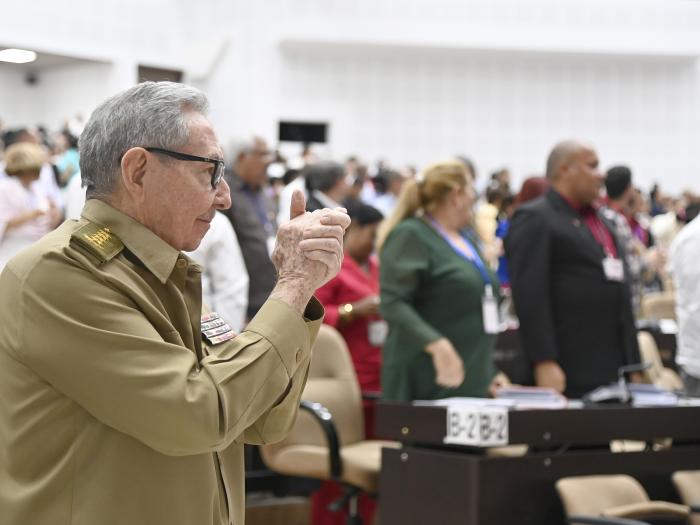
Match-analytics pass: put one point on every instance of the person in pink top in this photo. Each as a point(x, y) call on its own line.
point(351, 300)
point(26, 214)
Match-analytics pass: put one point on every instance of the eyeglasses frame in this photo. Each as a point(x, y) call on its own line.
point(215, 177)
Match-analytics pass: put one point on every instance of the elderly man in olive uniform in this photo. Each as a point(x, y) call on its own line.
point(118, 402)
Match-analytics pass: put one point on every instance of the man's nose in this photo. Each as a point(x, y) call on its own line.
point(222, 199)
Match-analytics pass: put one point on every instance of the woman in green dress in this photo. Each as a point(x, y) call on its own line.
point(437, 293)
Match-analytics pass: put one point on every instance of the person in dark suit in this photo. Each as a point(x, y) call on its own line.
point(252, 214)
point(569, 279)
point(325, 182)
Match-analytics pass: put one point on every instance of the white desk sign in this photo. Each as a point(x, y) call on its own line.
point(477, 426)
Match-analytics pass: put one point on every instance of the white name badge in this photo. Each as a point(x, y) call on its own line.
point(489, 311)
point(477, 426)
point(377, 332)
point(614, 269)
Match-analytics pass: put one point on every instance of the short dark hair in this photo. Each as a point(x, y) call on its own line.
point(364, 214)
point(13, 136)
point(692, 211)
point(617, 180)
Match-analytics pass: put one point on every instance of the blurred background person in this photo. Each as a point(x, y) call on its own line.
point(568, 279)
point(326, 185)
point(253, 216)
point(67, 161)
point(224, 275)
point(46, 185)
point(435, 288)
point(26, 213)
point(356, 178)
point(392, 182)
point(351, 300)
point(684, 256)
point(532, 188)
point(486, 220)
point(642, 263)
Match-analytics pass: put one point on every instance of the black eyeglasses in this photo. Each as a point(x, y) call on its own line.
point(219, 166)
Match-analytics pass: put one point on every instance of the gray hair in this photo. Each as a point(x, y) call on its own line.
point(239, 146)
point(147, 114)
point(322, 176)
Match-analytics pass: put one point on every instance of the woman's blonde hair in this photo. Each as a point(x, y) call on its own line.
point(24, 157)
point(424, 194)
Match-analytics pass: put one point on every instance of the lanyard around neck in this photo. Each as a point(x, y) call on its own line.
point(470, 254)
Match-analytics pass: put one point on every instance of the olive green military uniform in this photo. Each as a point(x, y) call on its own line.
point(112, 410)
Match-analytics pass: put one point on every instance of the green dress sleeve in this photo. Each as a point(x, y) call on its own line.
point(405, 258)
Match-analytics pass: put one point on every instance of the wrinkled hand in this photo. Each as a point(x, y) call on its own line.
point(550, 374)
point(309, 250)
point(449, 367)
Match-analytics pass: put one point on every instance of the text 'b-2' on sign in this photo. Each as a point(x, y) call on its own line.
point(477, 426)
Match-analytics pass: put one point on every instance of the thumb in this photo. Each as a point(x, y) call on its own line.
point(298, 206)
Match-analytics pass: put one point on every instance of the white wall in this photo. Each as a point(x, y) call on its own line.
point(501, 110)
point(500, 80)
point(13, 106)
point(62, 92)
point(110, 38)
point(409, 80)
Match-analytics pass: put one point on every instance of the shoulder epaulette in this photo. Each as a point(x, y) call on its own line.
point(98, 240)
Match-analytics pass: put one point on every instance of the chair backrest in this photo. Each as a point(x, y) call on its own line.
point(649, 353)
point(687, 483)
point(659, 305)
point(656, 374)
point(333, 383)
point(591, 495)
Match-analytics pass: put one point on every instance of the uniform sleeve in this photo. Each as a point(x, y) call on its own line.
point(278, 417)
point(528, 253)
point(404, 258)
point(94, 344)
point(276, 423)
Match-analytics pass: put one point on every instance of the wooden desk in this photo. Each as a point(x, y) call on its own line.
point(429, 482)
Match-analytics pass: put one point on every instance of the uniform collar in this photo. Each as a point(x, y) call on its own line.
point(156, 254)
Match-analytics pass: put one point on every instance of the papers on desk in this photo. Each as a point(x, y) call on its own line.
point(689, 402)
point(532, 397)
point(644, 395)
point(668, 326)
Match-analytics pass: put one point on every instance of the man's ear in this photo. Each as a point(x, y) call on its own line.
point(134, 167)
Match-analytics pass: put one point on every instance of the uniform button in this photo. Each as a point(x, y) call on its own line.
point(181, 263)
point(300, 354)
